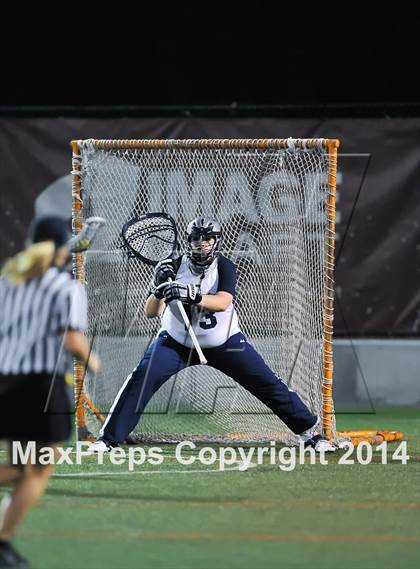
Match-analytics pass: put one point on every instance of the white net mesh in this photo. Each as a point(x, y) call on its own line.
point(272, 207)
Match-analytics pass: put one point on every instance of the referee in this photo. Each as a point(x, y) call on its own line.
point(44, 314)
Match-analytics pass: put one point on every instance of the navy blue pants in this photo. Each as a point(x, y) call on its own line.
point(166, 357)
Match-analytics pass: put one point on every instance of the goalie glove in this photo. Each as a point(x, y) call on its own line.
point(158, 291)
point(164, 271)
point(187, 294)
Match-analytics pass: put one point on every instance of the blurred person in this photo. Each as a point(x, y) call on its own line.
point(44, 314)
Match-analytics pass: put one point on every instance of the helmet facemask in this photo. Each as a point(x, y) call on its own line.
point(204, 240)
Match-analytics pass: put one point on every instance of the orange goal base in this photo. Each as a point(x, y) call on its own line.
point(372, 437)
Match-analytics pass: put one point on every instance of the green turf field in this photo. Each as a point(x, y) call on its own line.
point(174, 516)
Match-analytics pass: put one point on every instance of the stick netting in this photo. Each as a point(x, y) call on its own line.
point(153, 238)
point(272, 204)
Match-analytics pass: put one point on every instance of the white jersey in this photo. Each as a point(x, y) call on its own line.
point(211, 328)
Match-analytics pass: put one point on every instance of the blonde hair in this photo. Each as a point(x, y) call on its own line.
point(32, 262)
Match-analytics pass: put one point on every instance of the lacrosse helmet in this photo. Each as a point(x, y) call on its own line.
point(202, 228)
point(49, 228)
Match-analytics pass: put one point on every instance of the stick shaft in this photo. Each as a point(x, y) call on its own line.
point(191, 332)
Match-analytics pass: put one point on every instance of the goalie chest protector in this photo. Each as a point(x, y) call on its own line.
point(211, 328)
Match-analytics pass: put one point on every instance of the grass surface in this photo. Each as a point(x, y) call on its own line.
point(174, 516)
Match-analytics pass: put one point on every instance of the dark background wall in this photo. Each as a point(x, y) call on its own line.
point(195, 53)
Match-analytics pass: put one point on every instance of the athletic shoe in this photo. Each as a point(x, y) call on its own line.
point(309, 433)
point(320, 444)
point(101, 446)
point(9, 557)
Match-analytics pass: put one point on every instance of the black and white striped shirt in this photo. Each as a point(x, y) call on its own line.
point(34, 316)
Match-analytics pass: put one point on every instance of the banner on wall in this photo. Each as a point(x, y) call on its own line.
point(378, 198)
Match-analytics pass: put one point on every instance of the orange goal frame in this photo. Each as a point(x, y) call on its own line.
point(331, 145)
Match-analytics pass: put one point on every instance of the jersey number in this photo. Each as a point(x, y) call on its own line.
point(209, 321)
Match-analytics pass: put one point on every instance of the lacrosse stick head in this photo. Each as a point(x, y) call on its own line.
point(151, 237)
point(83, 240)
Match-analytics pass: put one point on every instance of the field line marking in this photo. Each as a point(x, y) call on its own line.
point(227, 536)
point(145, 472)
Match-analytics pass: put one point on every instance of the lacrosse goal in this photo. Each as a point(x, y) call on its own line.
point(275, 200)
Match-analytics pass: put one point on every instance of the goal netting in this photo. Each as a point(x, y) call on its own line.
point(275, 200)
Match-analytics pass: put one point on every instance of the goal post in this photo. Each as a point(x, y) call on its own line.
point(275, 199)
